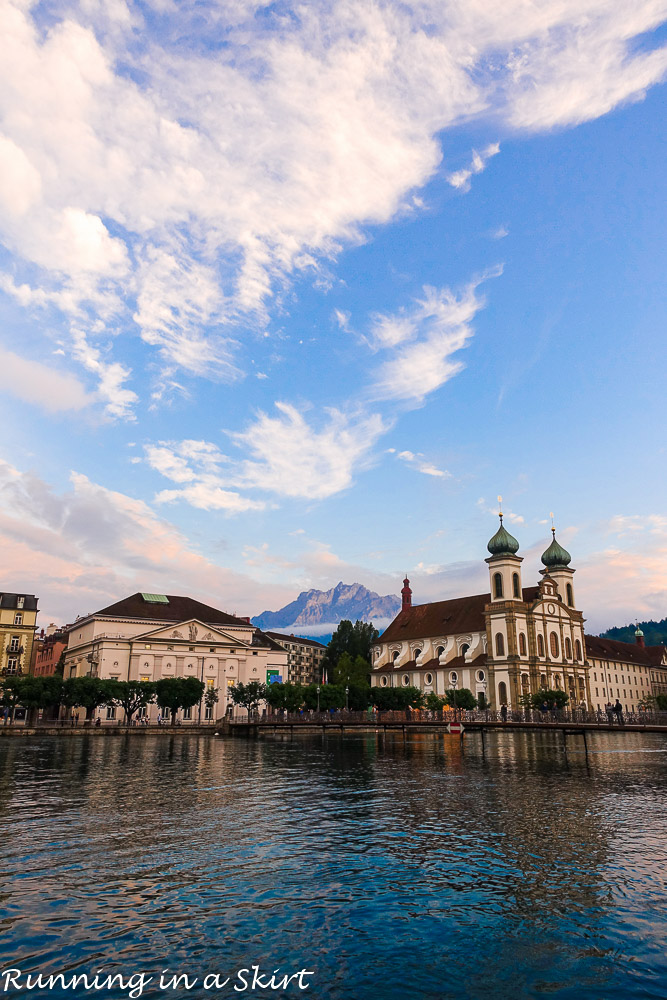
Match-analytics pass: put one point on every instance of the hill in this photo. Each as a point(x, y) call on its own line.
point(655, 633)
point(321, 607)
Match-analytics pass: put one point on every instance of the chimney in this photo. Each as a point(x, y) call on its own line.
point(406, 595)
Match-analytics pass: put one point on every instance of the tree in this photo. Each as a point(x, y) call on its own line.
point(248, 695)
point(211, 697)
point(549, 695)
point(287, 696)
point(352, 671)
point(131, 695)
point(661, 702)
point(178, 692)
point(11, 693)
point(433, 702)
point(86, 692)
point(396, 698)
point(463, 698)
point(356, 640)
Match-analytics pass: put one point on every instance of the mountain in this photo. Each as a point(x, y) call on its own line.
point(655, 633)
point(313, 607)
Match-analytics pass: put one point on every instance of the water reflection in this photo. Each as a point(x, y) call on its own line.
point(418, 867)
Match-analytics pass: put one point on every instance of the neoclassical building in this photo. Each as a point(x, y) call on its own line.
point(510, 641)
point(151, 636)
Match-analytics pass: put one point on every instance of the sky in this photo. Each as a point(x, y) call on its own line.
point(289, 294)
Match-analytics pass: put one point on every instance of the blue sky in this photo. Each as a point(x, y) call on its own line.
point(290, 296)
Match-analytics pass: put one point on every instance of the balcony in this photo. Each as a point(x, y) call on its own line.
point(14, 651)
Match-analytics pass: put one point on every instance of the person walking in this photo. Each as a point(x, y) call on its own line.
point(618, 712)
point(609, 709)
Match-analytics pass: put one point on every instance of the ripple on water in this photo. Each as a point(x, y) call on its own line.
point(394, 868)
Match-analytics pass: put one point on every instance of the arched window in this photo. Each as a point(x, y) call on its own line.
point(570, 598)
point(453, 677)
point(540, 645)
point(522, 644)
point(568, 648)
point(418, 652)
point(577, 649)
point(395, 655)
point(557, 682)
point(553, 645)
point(440, 650)
point(500, 645)
point(515, 585)
point(502, 693)
point(525, 684)
point(543, 681)
point(497, 585)
point(464, 648)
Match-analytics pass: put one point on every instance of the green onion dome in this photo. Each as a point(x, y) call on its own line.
point(639, 632)
point(556, 556)
point(502, 543)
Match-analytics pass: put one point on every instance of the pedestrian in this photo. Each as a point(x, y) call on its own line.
point(618, 712)
point(98, 722)
point(609, 709)
point(159, 718)
point(545, 709)
point(503, 713)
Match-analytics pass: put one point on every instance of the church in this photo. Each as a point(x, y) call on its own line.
point(514, 641)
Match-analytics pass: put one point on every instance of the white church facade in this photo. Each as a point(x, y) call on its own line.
point(511, 641)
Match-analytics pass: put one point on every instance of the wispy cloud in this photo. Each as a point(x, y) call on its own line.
point(461, 178)
point(419, 463)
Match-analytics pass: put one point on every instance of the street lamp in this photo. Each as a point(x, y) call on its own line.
point(486, 700)
point(347, 693)
point(454, 681)
point(318, 699)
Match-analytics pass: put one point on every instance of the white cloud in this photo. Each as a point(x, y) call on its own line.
point(419, 463)
point(90, 546)
point(41, 385)
point(424, 338)
point(288, 458)
point(158, 179)
point(461, 178)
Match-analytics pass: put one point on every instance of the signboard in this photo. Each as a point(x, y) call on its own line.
point(456, 728)
point(274, 677)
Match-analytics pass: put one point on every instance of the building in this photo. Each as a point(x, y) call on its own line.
point(513, 640)
point(304, 658)
point(18, 621)
point(631, 672)
point(151, 636)
point(52, 644)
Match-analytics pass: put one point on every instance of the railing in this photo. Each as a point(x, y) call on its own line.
point(14, 650)
point(555, 717)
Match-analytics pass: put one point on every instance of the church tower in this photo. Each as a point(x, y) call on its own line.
point(406, 595)
point(504, 566)
point(556, 561)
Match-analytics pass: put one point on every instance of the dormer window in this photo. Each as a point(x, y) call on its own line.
point(20, 601)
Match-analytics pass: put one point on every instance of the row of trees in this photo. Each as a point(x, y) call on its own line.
point(91, 693)
point(355, 696)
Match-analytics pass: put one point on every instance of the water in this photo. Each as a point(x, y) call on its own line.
point(393, 869)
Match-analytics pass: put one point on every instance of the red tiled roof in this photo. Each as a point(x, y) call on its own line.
point(629, 652)
point(461, 614)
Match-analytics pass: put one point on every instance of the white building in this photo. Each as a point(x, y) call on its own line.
point(151, 636)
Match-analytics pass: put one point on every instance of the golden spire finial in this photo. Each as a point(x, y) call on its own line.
point(553, 530)
point(500, 507)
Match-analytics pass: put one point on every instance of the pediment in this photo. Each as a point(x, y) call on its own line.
point(191, 632)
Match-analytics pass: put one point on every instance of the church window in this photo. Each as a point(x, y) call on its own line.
point(418, 652)
point(395, 655)
point(464, 648)
point(568, 648)
point(500, 645)
point(553, 644)
point(406, 680)
point(383, 682)
point(428, 678)
point(570, 598)
point(480, 675)
point(502, 693)
point(557, 682)
point(440, 650)
point(540, 645)
point(522, 644)
point(543, 681)
point(577, 649)
point(453, 677)
point(497, 585)
point(515, 585)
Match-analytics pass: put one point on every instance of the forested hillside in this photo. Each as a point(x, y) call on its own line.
point(655, 633)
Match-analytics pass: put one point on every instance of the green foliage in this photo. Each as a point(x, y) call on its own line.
point(130, 695)
point(549, 695)
point(178, 692)
point(396, 698)
point(661, 702)
point(86, 692)
point(355, 640)
point(10, 692)
point(352, 671)
point(655, 633)
point(211, 698)
point(481, 701)
point(359, 697)
point(248, 695)
point(287, 696)
point(463, 698)
point(434, 702)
